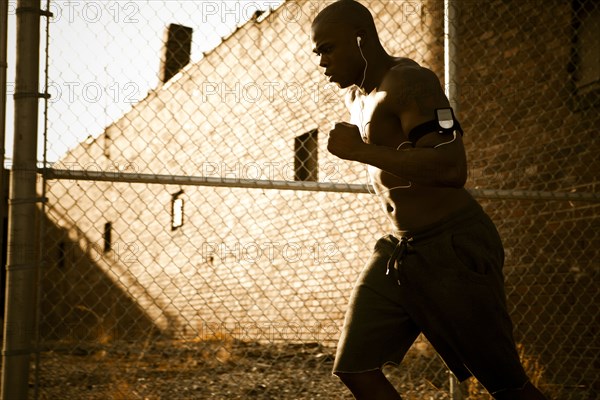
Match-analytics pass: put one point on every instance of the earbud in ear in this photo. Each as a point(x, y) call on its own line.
point(358, 40)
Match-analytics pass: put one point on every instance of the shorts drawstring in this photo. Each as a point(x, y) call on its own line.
point(397, 257)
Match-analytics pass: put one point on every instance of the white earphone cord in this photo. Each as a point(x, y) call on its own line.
point(358, 40)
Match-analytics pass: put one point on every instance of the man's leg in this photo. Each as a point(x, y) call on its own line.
point(473, 318)
point(369, 385)
point(377, 329)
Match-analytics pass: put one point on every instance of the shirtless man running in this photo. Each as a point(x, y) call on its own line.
point(440, 270)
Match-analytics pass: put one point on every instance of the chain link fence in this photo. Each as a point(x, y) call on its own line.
point(197, 240)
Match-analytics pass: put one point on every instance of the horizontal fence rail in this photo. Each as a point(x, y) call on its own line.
point(129, 177)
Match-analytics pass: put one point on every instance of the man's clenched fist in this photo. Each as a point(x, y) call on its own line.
point(345, 141)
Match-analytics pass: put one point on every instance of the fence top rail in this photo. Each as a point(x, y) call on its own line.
point(132, 177)
point(129, 177)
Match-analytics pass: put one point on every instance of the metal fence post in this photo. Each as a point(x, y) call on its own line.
point(455, 389)
point(3, 106)
point(450, 49)
point(450, 72)
point(21, 265)
point(3, 83)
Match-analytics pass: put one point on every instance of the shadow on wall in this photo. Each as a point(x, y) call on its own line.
point(87, 294)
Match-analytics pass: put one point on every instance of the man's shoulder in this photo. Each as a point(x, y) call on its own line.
point(404, 62)
point(409, 77)
point(407, 70)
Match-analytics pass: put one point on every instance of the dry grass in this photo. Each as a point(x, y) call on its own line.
point(221, 367)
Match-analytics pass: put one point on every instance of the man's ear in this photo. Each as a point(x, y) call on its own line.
point(362, 34)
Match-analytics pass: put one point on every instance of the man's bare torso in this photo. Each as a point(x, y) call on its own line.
point(409, 206)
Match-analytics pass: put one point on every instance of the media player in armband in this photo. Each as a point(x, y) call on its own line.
point(443, 123)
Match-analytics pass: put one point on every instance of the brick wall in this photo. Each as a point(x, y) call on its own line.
point(523, 133)
point(232, 114)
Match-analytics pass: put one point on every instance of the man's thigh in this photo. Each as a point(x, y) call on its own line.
point(377, 329)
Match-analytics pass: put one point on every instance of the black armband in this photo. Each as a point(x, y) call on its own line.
point(444, 123)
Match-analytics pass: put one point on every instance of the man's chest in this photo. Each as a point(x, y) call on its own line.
point(376, 121)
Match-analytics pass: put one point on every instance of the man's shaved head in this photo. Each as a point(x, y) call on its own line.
point(348, 12)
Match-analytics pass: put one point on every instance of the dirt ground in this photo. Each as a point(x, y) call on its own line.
point(219, 369)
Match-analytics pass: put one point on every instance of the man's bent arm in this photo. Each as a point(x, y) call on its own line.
point(444, 166)
point(436, 159)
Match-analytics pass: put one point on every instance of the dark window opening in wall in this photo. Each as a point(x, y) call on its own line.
point(176, 210)
point(107, 237)
point(306, 166)
point(62, 254)
point(585, 53)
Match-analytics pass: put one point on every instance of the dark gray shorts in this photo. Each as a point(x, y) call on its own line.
point(451, 289)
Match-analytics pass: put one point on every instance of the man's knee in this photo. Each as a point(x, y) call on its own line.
point(369, 385)
point(527, 392)
point(356, 379)
point(362, 381)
